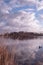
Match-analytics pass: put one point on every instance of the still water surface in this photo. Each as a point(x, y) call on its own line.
point(28, 52)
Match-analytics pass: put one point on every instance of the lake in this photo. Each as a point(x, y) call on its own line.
point(27, 52)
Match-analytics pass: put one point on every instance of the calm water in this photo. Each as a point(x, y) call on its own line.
point(27, 51)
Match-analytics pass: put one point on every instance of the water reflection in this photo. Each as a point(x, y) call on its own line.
point(27, 52)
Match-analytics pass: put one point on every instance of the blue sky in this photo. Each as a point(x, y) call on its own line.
point(21, 15)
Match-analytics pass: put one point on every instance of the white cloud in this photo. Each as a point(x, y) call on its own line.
point(2, 24)
point(5, 8)
point(24, 20)
point(39, 5)
point(41, 17)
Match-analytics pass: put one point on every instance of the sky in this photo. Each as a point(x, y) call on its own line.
point(21, 15)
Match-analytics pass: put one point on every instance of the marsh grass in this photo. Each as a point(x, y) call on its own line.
point(6, 58)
